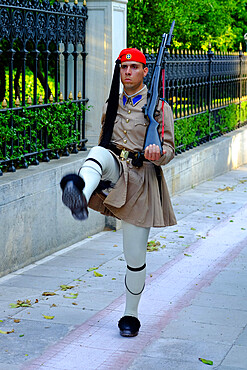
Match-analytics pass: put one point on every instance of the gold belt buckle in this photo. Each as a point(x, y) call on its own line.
point(124, 154)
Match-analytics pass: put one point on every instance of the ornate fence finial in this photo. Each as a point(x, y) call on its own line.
point(4, 103)
point(51, 98)
point(146, 50)
point(240, 46)
point(84, 3)
point(40, 101)
point(70, 96)
point(66, 1)
point(61, 96)
point(79, 96)
point(17, 101)
point(29, 100)
point(76, 2)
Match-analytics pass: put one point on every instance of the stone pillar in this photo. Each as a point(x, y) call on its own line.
point(105, 38)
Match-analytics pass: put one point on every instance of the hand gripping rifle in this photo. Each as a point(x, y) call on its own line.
point(152, 134)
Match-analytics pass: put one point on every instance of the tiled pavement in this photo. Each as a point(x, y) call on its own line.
point(194, 304)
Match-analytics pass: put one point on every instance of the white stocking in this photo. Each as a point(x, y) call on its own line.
point(134, 246)
point(99, 163)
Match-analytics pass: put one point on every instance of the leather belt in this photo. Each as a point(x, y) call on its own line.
point(137, 157)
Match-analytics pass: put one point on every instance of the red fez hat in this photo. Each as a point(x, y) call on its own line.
point(132, 55)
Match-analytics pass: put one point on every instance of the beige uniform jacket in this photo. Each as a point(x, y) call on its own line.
point(135, 198)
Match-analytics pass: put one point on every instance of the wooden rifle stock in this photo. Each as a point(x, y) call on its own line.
point(152, 134)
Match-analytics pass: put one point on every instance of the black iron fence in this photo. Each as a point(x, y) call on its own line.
point(42, 73)
point(202, 84)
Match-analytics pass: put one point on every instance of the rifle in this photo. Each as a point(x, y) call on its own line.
point(149, 109)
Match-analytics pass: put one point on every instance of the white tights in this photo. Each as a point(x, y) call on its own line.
point(101, 164)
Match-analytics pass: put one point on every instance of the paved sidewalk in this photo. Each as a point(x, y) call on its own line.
point(194, 304)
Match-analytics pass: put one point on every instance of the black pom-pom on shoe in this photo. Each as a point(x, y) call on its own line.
point(72, 186)
point(129, 326)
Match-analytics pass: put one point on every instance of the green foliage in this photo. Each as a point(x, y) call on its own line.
point(29, 90)
point(228, 118)
point(191, 131)
point(198, 22)
point(58, 120)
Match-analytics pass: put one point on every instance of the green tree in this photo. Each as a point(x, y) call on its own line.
point(198, 22)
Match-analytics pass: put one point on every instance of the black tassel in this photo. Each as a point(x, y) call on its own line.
point(103, 185)
point(112, 107)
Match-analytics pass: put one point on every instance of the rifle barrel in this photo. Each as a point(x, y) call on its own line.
point(169, 39)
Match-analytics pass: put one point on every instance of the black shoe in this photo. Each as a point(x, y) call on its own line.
point(129, 326)
point(73, 197)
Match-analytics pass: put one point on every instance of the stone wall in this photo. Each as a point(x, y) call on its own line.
point(207, 161)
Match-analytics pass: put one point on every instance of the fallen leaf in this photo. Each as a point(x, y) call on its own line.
point(152, 249)
point(227, 188)
point(17, 320)
point(164, 237)
point(187, 255)
point(75, 304)
point(46, 294)
point(65, 287)
point(181, 236)
point(206, 362)
point(242, 228)
point(48, 317)
point(21, 335)
point(231, 221)
point(7, 332)
point(153, 245)
point(113, 278)
point(115, 245)
point(53, 305)
point(163, 246)
point(26, 303)
point(72, 296)
point(192, 228)
point(92, 269)
point(76, 279)
point(97, 274)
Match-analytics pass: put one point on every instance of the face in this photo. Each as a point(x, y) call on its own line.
point(132, 74)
